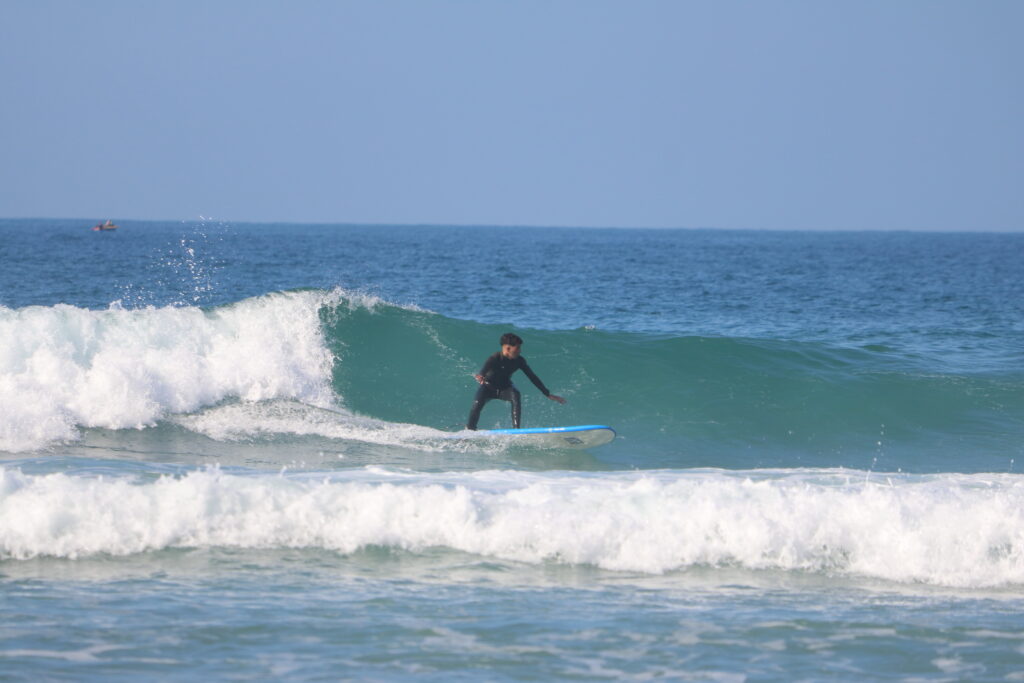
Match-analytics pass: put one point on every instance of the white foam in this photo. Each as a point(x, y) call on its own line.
point(244, 421)
point(63, 367)
point(951, 530)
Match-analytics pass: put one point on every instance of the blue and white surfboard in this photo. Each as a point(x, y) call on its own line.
point(580, 436)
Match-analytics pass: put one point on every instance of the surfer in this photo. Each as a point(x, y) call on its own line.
point(495, 380)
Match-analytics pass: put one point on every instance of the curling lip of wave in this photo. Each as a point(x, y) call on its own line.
point(63, 367)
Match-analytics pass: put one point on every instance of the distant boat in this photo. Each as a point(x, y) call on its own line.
point(109, 225)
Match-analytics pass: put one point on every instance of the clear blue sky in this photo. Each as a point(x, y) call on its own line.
point(859, 114)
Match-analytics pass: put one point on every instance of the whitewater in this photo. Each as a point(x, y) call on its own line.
point(965, 531)
point(235, 437)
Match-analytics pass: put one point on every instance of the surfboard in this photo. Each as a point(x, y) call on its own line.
point(579, 436)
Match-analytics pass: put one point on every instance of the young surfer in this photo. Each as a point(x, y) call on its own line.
point(495, 380)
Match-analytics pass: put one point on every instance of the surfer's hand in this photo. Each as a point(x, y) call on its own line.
point(557, 398)
point(480, 379)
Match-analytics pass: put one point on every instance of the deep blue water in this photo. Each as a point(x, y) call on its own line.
point(224, 453)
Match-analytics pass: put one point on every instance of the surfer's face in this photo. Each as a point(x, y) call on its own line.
point(510, 351)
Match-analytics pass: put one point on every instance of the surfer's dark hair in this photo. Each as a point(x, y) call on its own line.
point(511, 339)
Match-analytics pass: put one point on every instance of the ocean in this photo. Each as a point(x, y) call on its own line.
point(224, 454)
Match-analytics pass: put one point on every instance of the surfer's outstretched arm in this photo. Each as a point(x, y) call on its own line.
point(524, 366)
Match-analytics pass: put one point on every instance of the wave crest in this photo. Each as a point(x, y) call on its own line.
point(62, 367)
point(950, 530)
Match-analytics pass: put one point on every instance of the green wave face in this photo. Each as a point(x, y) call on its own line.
point(684, 401)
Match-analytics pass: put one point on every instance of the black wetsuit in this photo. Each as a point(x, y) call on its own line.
point(497, 373)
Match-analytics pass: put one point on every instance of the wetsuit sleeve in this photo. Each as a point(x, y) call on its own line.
point(533, 377)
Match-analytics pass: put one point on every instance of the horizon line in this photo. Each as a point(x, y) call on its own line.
point(535, 226)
